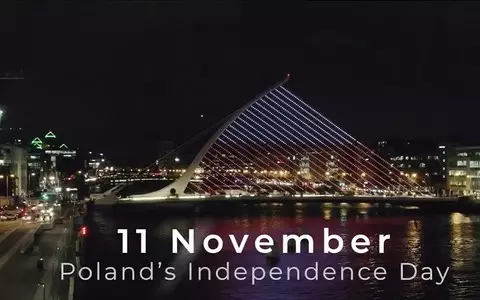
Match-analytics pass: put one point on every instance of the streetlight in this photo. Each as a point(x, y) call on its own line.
point(30, 175)
point(43, 287)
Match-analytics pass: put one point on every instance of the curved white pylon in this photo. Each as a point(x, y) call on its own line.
point(181, 183)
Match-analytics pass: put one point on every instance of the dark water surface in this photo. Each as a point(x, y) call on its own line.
point(440, 239)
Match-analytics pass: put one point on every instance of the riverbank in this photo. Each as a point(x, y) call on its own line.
point(223, 205)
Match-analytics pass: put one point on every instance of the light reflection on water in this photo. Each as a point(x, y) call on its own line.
point(443, 240)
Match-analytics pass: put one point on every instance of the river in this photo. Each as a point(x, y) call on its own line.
point(444, 241)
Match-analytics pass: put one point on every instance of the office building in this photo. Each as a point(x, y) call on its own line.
point(50, 159)
point(97, 164)
point(13, 174)
point(463, 165)
point(423, 162)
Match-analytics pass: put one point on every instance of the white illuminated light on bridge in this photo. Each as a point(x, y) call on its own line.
point(279, 145)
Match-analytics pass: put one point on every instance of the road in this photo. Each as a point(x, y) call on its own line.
point(19, 276)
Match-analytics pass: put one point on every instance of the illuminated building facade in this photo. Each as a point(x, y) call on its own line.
point(97, 164)
point(421, 162)
point(13, 173)
point(463, 165)
point(45, 156)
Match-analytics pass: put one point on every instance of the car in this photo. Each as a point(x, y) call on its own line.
point(13, 210)
point(8, 215)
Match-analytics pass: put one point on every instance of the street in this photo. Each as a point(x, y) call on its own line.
point(19, 275)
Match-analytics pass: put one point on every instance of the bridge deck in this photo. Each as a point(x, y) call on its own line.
point(311, 199)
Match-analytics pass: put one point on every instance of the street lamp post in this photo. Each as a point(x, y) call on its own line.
point(30, 175)
point(43, 288)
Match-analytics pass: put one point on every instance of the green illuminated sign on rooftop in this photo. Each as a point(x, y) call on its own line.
point(37, 141)
point(50, 135)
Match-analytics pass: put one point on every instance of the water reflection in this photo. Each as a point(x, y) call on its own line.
point(463, 240)
point(420, 238)
point(413, 242)
point(327, 213)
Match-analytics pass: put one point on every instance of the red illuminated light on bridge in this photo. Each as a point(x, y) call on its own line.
point(83, 231)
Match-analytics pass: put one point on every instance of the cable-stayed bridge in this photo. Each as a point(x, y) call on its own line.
point(279, 145)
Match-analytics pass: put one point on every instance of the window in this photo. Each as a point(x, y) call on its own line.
point(474, 164)
point(422, 165)
point(457, 172)
point(457, 183)
point(464, 154)
point(461, 163)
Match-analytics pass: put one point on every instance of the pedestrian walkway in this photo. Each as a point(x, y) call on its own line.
point(19, 276)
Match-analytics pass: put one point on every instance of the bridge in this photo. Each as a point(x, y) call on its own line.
point(279, 145)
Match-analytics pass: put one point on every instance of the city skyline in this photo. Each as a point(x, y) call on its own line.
point(239, 150)
point(176, 79)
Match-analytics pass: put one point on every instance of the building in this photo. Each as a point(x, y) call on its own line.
point(13, 164)
point(96, 164)
point(422, 161)
point(463, 165)
point(49, 159)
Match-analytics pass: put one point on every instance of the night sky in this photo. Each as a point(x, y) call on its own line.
point(120, 77)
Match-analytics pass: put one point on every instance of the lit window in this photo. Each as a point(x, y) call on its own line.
point(457, 172)
point(422, 165)
point(461, 163)
point(474, 164)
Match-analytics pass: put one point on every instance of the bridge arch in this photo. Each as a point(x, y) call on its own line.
point(312, 150)
point(181, 183)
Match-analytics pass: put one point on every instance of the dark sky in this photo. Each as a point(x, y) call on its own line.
point(119, 77)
